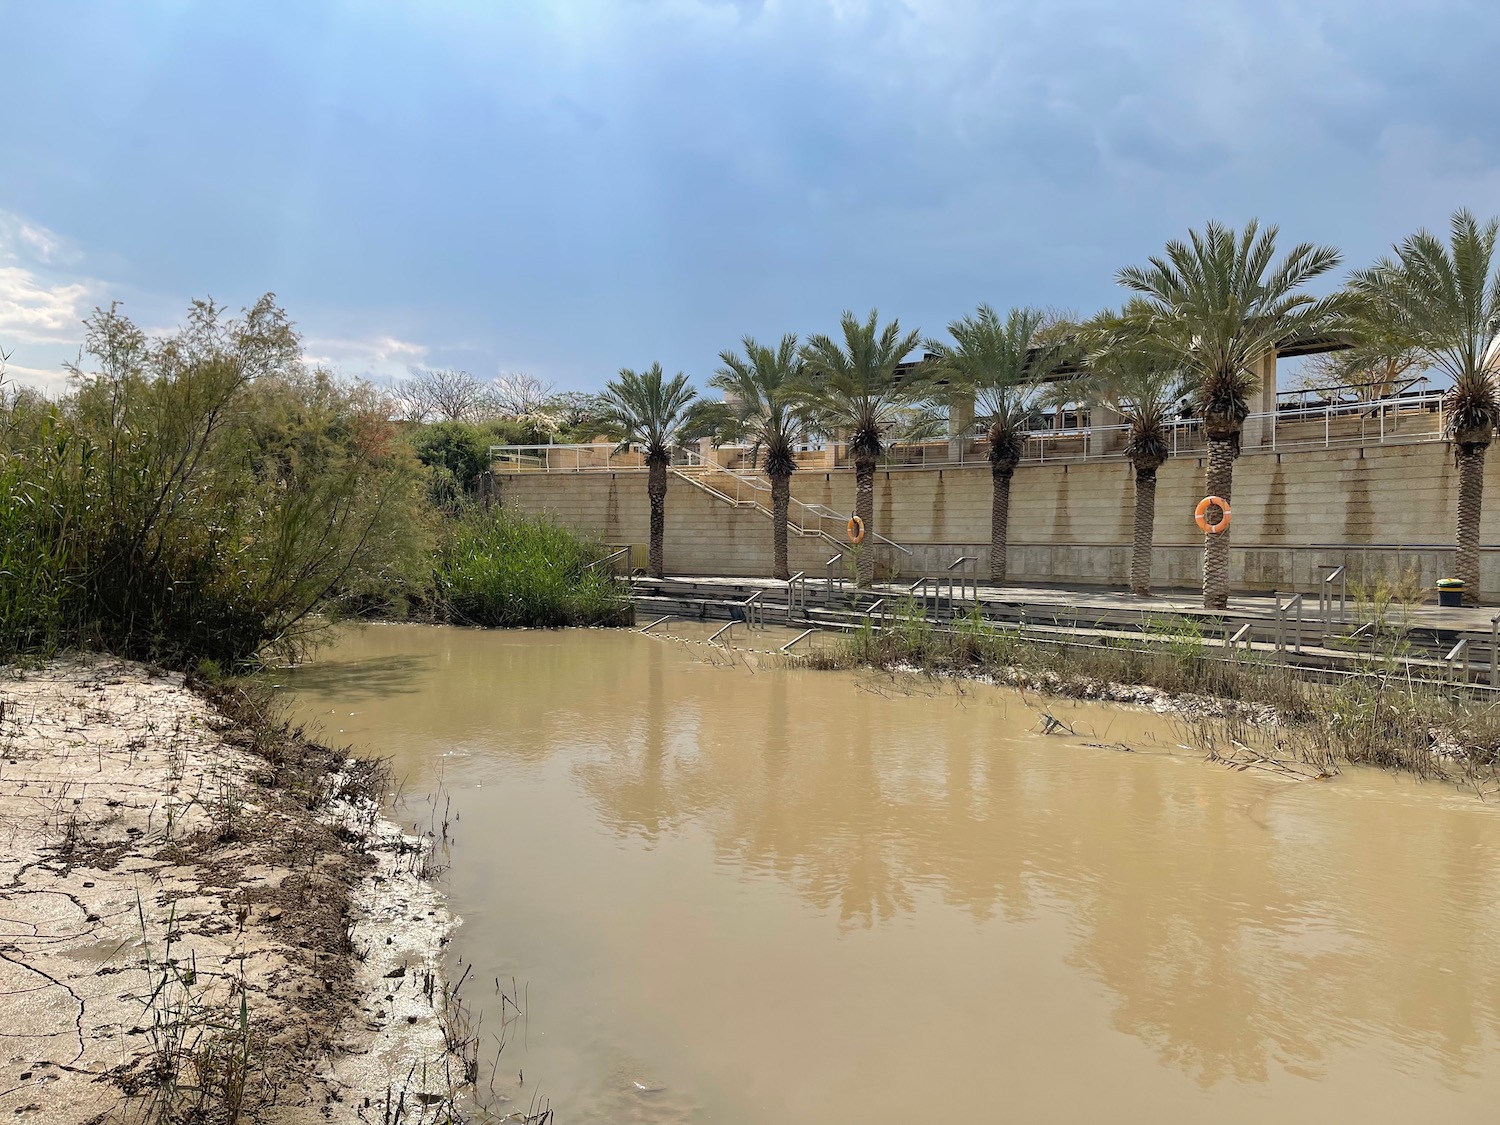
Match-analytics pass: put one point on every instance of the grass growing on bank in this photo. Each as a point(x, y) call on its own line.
point(501, 568)
point(1379, 716)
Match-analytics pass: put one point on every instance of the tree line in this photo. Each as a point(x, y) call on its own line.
point(205, 493)
point(1197, 321)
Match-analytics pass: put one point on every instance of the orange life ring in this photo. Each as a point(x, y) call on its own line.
point(856, 530)
point(1200, 515)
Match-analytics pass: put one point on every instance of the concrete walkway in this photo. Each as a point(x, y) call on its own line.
point(1041, 599)
point(1262, 606)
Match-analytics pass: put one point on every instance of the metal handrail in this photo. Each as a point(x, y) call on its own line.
point(805, 633)
point(1078, 442)
point(878, 603)
point(1495, 651)
point(1240, 634)
point(921, 583)
point(820, 512)
point(964, 578)
point(1325, 592)
point(1295, 602)
point(828, 576)
point(1460, 649)
point(719, 632)
point(609, 558)
point(657, 622)
point(796, 593)
point(755, 613)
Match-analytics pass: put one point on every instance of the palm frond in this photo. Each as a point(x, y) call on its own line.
point(998, 364)
point(1446, 300)
point(1220, 300)
point(854, 389)
point(1130, 370)
point(649, 409)
point(763, 382)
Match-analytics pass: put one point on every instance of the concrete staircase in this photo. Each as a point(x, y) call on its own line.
point(741, 490)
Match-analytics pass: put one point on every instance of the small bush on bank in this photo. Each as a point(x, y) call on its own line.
point(505, 569)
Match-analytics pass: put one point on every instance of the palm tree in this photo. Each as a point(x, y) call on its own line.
point(1447, 299)
point(997, 364)
point(855, 391)
point(650, 412)
point(762, 382)
point(1380, 359)
point(1221, 304)
point(1130, 373)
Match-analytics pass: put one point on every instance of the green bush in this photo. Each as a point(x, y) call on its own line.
point(503, 569)
point(199, 495)
point(457, 448)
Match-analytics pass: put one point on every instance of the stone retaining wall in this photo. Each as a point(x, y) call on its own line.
point(1380, 507)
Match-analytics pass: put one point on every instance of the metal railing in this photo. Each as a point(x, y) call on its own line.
point(1495, 651)
point(828, 577)
point(1399, 419)
point(800, 636)
point(1325, 593)
point(755, 612)
point(599, 456)
point(1294, 602)
point(1240, 634)
point(1461, 649)
point(878, 603)
point(741, 490)
point(964, 579)
point(609, 559)
point(922, 584)
point(796, 594)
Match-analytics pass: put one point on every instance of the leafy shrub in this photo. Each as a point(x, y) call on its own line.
point(500, 568)
point(457, 447)
point(199, 495)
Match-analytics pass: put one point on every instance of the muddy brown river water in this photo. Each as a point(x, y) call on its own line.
point(732, 892)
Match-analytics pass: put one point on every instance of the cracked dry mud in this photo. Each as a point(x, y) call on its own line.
point(202, 918)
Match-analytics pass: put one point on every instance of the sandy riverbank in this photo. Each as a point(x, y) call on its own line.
point(202, 915)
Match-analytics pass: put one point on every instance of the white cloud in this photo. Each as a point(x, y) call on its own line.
point(379, 357)
point(41, 305)
point(32, 311)
point(44, 300)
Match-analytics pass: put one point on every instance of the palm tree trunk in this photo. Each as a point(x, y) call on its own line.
point(1001, 474)
point(864, 508)
point(656, 488)
point(1221, 454)
point(1470, 458)
point(781, 500)
point(1145, 524)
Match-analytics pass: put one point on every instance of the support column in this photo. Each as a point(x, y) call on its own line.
point(1260, 431)
point(1100, 440)
point(960, 426)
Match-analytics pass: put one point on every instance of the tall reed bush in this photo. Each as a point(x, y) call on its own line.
point(502, 568)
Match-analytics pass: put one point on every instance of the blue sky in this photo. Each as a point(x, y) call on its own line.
point(570, 188)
